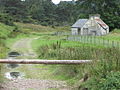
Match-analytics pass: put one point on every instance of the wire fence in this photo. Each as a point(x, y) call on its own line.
point(95, 40)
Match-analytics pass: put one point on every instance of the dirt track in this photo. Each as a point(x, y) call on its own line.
point(34, 84)
point(24, 46)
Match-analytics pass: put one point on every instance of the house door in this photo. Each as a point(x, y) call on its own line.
point(85, 31)
point(94, 33)
point(79, 31)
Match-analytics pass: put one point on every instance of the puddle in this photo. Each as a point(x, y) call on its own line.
point(12, 66)
point(14, 75)
point(13, 54)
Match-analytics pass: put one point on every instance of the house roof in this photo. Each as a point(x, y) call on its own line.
point(101, 23)
point(79, 23)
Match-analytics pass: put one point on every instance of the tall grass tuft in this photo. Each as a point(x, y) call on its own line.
point(106, 61)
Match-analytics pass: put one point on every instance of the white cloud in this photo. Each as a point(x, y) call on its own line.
point(58, 1)
point(22, 0)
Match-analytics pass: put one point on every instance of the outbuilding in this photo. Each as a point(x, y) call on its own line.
point(93, 26)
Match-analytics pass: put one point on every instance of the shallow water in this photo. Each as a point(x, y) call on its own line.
point(11, 66)
point(15, 74)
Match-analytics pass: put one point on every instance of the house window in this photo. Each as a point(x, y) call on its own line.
point(85, 31)
point(94, 33)
point(79, 31)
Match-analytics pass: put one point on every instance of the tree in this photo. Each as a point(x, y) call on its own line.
point(15, 8)
point(65, 12)
point(109, 10)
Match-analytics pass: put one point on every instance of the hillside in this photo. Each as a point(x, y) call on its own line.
point(5, 31)
point(41, 30)
point(45, 42)
point(4, 34)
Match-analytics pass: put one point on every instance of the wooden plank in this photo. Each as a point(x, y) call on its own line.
point(38, 61)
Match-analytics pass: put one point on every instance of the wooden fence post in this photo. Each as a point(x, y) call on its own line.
point(94, 40)
point(118, 45)
point(108, 44)
point(112, 44)
point(103, 42)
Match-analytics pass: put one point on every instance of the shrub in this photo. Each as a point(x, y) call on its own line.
point(110, 82)
point(3, 49)
point(103, 72)
point(6, 19)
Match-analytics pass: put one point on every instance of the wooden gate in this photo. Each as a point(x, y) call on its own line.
point(38, 61)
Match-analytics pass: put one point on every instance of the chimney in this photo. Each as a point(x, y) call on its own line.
point(73, 1)
point(94, 16)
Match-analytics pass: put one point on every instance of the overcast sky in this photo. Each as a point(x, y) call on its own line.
point(57, 1)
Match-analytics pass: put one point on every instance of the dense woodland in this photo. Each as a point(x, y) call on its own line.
point(45, 12)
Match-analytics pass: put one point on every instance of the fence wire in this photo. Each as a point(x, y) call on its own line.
point(95, 40)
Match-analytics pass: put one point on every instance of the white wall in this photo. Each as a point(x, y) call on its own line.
point(103, 31)
point(92, 26)
point(74, 31)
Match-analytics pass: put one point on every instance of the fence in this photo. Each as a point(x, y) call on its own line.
point(95, 40)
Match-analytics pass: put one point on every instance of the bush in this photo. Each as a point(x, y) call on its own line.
point(6, 19)
point(3, 49)
point(110, 82)
point(103, 73)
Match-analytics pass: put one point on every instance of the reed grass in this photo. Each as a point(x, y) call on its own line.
point(105, 61)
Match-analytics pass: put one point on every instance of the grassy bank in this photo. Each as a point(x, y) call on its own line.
point(51, 46)
point(38, 29)
point(8, 35)
point(26, 31)
point(5, 32)
point(114, 35)
point(106, 64)
point(102, 73)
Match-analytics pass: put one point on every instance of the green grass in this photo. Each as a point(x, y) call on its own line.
point(27, 32)
point(109, 60)
point(56, 47)
point(5, 30)
point(113, 36)
point(49, 40)
point(110, 40)
point(36, 29)
point(10, 41)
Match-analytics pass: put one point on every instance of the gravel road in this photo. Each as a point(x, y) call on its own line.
point(24, 46)
point(34, 84)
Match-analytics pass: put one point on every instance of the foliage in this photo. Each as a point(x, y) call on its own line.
point(110, 82)
point(3, 49)
point(109, 10)
point(5, 30)
point(46, 13)
point(102, 72)
point(4, 18)
point(14, 8)
point(5, 33)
